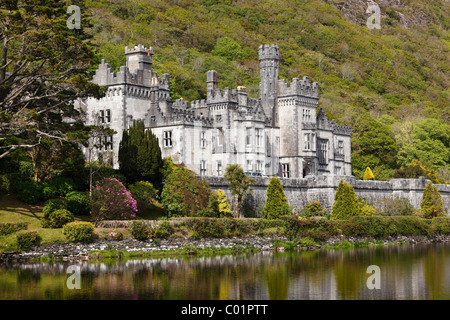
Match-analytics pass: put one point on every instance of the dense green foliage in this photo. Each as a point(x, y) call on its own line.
point(431, 204)
point(58, 218)
point(78, 203)
point(140, 230)
point(184, 194)
point(276, 203)
point(52, 205)
point(384, 83)
point(240, 185)
point(346, 202)
point(26, 240)
point(140, 155)
point(8, 228)
point(313, 209)
point(79, 231)
point(144, 193)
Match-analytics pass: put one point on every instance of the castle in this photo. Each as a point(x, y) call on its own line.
point(279, 134)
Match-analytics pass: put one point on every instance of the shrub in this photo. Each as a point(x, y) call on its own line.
point(29, 192)
point(396, 207)
point(345, 202)
point(276, 203)
point(26, 240)
point(144, 193)
point(78, 203)
point(368, 174)
point(431, 205)
point(63, 185)
point(48, 191)
point(313, 209)
point(79, 231)
point(8, 227)
point(218, 206)
point(207, 227)
point(52, 205)
point(162, 231)
point(183, 193)
point(59, 217)
point(111, 200)
point(140, 230)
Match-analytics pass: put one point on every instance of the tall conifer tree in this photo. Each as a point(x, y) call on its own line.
point(276, 203)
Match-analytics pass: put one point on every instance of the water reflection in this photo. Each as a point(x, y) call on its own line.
point(407, 272)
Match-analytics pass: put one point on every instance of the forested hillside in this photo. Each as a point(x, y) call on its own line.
point(390, 84)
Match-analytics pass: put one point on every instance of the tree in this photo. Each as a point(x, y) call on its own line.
point(240, 184)
point(140, 155)
point(431, 205)
point(229, 49)
point(276, 203)
point(183, 193)
point(111, 200)
point(44, 68)
point(368, 174)
point(346, 202)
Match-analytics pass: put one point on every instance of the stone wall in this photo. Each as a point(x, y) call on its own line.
point(322, 188)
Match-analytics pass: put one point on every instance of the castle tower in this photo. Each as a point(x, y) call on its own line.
point(269, 57)
point(139, 58)
point(212, 82)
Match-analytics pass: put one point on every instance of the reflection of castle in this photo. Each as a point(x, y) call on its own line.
point(281, 133)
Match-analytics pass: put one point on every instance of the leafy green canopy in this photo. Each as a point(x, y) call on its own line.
point(44, 68)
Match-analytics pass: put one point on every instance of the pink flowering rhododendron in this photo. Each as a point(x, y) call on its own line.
point(110, 200)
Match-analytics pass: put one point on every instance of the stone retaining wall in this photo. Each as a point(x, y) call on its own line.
point(322, 188)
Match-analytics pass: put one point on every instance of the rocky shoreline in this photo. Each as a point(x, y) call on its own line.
point(81, 252)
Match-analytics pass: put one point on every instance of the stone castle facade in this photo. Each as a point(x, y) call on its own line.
point(279, 134)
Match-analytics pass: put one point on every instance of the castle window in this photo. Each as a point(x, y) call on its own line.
point(259, 166)
point(323, 151)
point(108, 142)
point(285, 170)
point(340, 147)
point(108, 115)
point(248, 137)
point(338, 171)
point(167, 139)
point(101, 116)
point(309, 141)
point(219, 137)
point(202, 167)
point(249, 166)
point(219, 168)
point(306, 115)
point(203, 139)
point(153, 118)
point(259, 137)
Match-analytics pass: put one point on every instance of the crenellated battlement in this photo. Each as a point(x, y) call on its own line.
point(139, 49)
point(197, 104)
point(222, 96)
point(269, 51)
point(298, 87)
point(339, 129)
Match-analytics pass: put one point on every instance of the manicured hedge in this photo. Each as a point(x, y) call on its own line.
point(79, 231)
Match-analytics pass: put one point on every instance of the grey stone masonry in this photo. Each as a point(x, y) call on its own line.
point(280, 133)
point(323, 188)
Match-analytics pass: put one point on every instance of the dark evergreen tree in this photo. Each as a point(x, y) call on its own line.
point(276, 203)
point(140, 155)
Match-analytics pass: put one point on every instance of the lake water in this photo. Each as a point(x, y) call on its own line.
point(405, 272)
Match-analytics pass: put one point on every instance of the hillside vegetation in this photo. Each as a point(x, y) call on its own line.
point(390, 84)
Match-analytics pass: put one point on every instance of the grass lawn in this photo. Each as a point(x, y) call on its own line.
point(13, 210)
